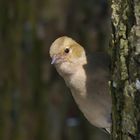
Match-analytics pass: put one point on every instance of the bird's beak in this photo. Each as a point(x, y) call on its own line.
point(56, 59)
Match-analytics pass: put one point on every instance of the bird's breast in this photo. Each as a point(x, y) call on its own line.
point(96, 113)
point(96, 110)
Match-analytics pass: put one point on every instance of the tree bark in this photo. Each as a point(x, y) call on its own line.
point(125, 84)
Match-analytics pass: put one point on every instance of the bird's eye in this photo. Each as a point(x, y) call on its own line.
point(67, 50)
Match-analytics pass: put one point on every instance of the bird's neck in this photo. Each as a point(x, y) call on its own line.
point(77, 81)
point(74, 74)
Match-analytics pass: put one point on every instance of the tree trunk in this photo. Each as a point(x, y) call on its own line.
point(125, 84)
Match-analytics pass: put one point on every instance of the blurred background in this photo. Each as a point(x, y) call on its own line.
point(35, 104)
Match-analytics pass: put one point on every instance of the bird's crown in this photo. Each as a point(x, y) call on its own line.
point(66, 45)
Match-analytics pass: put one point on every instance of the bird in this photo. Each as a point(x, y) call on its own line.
point(87, 76)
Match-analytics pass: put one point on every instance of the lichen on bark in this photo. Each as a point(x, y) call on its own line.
point(125, 69)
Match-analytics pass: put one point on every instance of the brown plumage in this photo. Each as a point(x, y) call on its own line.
point(87, 78)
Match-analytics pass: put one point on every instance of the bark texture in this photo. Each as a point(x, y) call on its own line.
point(125, 85)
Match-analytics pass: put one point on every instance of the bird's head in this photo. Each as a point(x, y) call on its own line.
point(66, 50)
point(66, 53)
